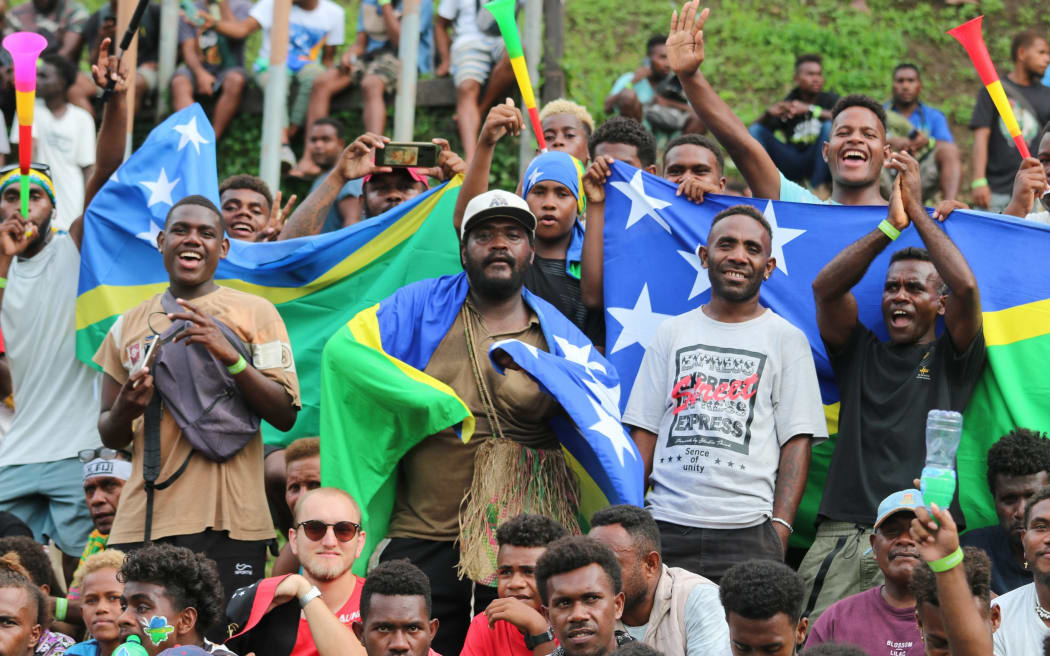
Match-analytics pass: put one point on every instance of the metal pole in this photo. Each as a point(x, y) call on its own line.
point(169, 44)
point(408, 53)
point(125, 8)
point(533, 44)
point(554, 49)
point(275, 96)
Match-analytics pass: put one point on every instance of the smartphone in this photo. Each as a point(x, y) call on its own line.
point(153, 349)
point(407, 154)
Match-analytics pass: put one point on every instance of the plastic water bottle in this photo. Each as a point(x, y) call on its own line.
point(943, 431)
point(133, 647)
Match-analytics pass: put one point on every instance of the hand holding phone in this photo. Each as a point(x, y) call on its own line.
point(407, 154)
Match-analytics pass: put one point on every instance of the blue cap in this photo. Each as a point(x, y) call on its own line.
point(557, 166)
point(898, 501)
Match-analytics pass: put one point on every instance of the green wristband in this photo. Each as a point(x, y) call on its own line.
point(239, 366)
point(3, 283)
point(817, 110)
point(61, 607)
point(889, 230)
point(948, 562)
point(979, 182)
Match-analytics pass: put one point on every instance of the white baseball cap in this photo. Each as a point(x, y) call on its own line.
point(497, 204)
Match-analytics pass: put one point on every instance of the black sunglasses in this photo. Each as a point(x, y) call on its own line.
point(43, 168)
point(315, 529)
point(87, 455)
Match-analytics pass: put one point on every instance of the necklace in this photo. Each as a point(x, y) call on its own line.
point(1043, 613)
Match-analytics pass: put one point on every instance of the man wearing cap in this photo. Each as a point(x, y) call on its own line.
point(55, 395)
point(383, 187)
point(440, 473)
point(881, 620)
point(724, 411)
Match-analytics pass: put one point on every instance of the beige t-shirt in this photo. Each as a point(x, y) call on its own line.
point(434, 476)
point(225, 496)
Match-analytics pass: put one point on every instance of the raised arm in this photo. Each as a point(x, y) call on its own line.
point(962, 309)
point(982, 194)
point(356, 161)
point(836, 305)
point(685, 48)
point(1029, 186)
point(502, 119)
point(592, 267)
point(112, 136)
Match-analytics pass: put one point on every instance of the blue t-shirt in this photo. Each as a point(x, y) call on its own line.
point(931, 121)
point(86, 648)
point(642, 88)
point(1046, 77)
point(792, 192)
point(351, 188)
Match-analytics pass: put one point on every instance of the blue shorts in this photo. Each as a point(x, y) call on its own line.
point(49, 497)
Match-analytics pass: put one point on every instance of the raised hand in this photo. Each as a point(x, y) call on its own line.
point(594, 179)
point(1029, 186)
point(907, 168)
point(897, 216)
point(502, 119)
point(685, 39)
point(449, 163)
point(278, 216)
point(358, 159)
point(107, 68)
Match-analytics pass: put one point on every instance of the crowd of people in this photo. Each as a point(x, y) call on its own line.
point(139, 504)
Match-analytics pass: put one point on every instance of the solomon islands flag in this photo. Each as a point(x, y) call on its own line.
point(316, 283)
point(377, 402)
point(652, 272)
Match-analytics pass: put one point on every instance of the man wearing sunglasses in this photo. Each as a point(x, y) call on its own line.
point(55, 395)
point(326, 538)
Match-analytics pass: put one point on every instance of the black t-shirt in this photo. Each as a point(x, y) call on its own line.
point(1003, 158)
point(149, 32)
point(802, 131)
point(1007, 573)
point(549, 280)
point(885, 392)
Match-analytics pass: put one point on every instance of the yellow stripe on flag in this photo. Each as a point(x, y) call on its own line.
point(831, 415)
point(1017, 323)
point(365, 329)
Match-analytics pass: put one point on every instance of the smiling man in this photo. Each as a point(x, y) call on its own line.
point(724, 411)
point(212, 506)
point(886, 389)
point(581, 585)
point(882, 619)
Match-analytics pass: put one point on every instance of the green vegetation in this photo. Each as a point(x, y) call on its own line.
point(751, 46)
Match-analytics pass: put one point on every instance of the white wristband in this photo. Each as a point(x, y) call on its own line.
point(313, 593)
point(785, 523)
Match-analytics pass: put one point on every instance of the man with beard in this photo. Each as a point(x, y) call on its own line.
point(886, 389)
point(882, 616)
point(326, 539)
point(581, 586)
point(382, 187)
point(446, 490)
point(1025, 616)
point(725, 410)
point(675, 611)
point(39, 270)
point(1018, 467)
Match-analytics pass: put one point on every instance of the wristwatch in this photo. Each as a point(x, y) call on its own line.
point(534, 641)
point(311, 594)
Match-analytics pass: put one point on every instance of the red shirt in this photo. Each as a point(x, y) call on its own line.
point(348, 614)
point(503, 639)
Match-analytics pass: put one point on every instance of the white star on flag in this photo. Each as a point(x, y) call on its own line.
point(190, 135)
point(781, 236)
point(703, 281)
point(578, 354)
point(535, 174)
point(609, 427)
point(160, 191)
point(639, 323)
point(150, 234)
point(641, 204)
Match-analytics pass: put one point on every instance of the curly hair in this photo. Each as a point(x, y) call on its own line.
point(620, 129)
point(527, 530)
point(1040, 496)
point(978, 576)
point(1021, 452)
point(702, 140)
point(189, 579)
point(834, 649)
point(32, 557)
point(759, 589)
point(809, 58)
point(565, 106)
point(302, 448)
point(638, 523)
point(249, 182)
point(14, 575)
point(859, 100)
point(636, 648)
point(395, 578)
point(105, 559)
point(574, 552)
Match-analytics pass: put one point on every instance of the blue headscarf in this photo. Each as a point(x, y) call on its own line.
point(557, 166)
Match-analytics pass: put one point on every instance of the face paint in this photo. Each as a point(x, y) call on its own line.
point(157, 629)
